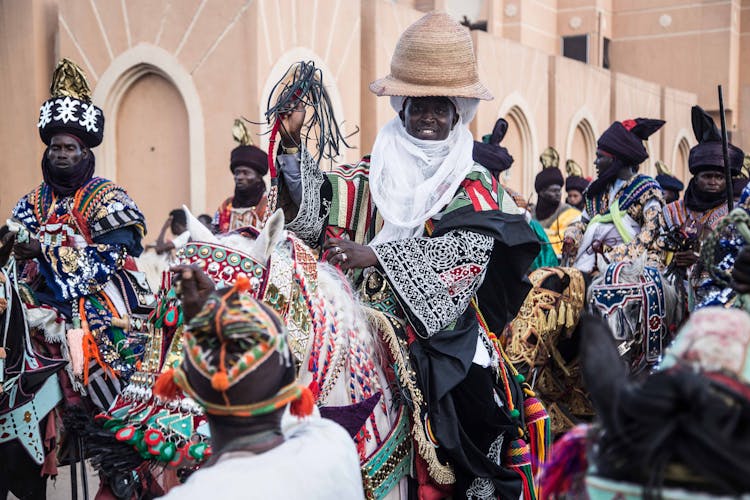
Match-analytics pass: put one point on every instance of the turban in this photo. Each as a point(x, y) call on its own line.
point(249, 156)
point(489, 153)
point(625, 139)
point(708, 153)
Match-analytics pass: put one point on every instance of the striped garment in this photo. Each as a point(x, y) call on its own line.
point(676, 214)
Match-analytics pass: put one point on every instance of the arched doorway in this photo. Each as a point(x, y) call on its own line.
point(582, 148)
point(680, 165)
point(153, 147)
point(520, 177)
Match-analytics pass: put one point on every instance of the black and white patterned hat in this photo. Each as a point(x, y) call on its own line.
point(70, 110)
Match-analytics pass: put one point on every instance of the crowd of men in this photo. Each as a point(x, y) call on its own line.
point(425, 217)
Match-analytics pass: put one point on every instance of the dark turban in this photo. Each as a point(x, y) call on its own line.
point(548, 177)
point(490, 154)
point(670, 183)
point(576, 183)
point(249, 156)
point(708, 154)
point(625, 139)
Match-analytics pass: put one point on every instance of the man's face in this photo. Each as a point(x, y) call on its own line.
point(551, 194)
point(64, 151)
point(245, 177)
point(429, 118)
point(670, 196)
point(177, 228)
point(574, 198)
point(603, 161)
point(711, 182)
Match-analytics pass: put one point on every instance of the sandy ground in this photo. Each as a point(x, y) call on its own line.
point(60, 488)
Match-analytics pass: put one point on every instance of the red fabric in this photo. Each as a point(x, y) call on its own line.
point(428, 489)
point(480, 197)
point(629, 124)
point(130, 264)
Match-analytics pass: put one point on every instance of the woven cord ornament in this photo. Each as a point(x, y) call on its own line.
point(740, 219)
point(302, 83)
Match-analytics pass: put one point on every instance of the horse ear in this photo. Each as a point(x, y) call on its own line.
point(269, 237)
point(198, 232)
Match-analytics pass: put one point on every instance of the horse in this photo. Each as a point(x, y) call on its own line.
point(640, 307)
point(29, 393)
point(543, 340)
point(329, 332)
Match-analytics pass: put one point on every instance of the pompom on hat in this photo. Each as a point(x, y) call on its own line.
point(69, 110)
point(433, 57)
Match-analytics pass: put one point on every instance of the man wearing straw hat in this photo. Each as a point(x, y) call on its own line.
point(434, 242)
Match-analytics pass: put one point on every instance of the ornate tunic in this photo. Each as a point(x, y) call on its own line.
point(86, 241)
point(626, 220)
point(479, 238)
point(730, 241)
point(229, 218)
point(677, 215)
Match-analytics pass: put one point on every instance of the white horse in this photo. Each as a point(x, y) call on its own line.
point(337, 349)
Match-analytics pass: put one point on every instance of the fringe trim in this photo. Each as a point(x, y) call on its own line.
point(441, 473)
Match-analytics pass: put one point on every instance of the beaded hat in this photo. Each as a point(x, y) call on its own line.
point(70, 110)
point(237, 360)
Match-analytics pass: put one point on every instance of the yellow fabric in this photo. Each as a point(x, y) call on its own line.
point(556, 231)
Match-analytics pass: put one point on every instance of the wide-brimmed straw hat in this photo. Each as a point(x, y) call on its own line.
point(433, 57)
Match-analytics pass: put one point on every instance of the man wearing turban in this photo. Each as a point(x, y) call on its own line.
point(247, 207)
point(623, 209)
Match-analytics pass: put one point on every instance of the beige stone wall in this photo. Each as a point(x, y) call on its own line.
point(172, 76)
point(743, 122)
point(687, 45)
point(579, 102)
point(24, 83)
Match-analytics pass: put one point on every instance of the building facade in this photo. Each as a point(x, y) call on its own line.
point(172, 75)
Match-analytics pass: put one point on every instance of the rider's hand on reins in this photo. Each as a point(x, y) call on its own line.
point(348, 255)
point(196, 287)
point(29, 250)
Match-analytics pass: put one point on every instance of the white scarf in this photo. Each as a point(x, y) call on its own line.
point(411, 180)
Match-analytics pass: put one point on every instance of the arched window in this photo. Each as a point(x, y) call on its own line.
point(582, 148)
point(519, 143)
point(125, 87)
point(680, 165)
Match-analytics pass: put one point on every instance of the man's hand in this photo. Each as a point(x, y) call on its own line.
point(685, 259)
point(567, 248)
point(291, 125)
point(32, 249)
point(741, 271)
point(196, 288)
point(349, 255)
